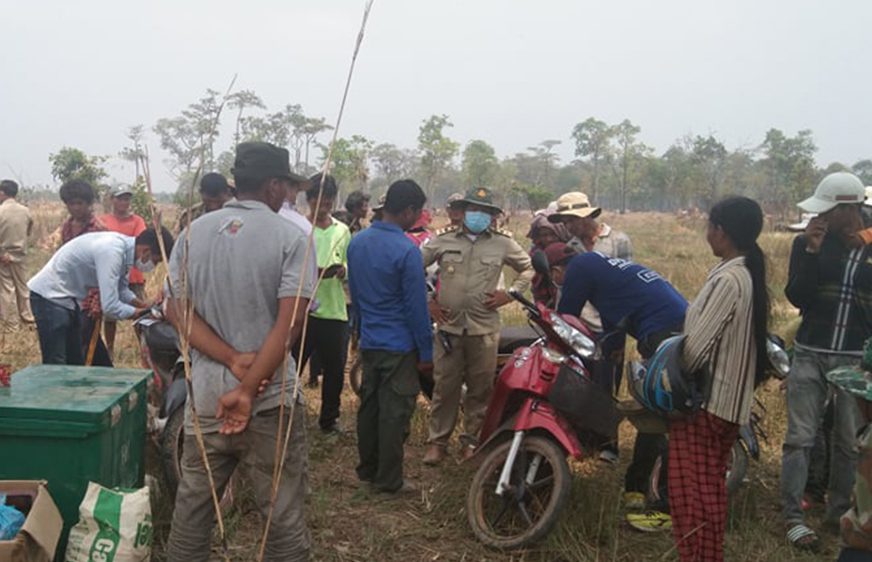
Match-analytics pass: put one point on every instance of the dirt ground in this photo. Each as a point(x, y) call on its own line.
point(348, 523)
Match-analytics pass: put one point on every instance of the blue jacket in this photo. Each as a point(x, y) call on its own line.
point(621, 289)
point(388, 291)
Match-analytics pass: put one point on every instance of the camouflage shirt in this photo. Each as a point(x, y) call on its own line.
point(856, 524)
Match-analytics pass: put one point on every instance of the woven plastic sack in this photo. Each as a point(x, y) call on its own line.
point(114, 526)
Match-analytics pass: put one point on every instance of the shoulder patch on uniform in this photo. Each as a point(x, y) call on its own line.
point(446, 230)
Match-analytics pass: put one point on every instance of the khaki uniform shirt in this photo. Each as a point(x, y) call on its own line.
point(15, 226)
point(469, 270)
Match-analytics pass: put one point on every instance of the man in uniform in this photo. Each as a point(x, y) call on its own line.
point(471, 257)
point(15, 227)
point(454, 208)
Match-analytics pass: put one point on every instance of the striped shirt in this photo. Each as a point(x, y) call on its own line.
point(720, 338)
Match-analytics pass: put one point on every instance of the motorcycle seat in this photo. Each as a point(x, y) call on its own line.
point(161, 337)
point(513, 337)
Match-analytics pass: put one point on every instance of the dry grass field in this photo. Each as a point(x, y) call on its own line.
point(350, 524)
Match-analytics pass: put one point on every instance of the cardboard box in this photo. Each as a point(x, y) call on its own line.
point(38, 538)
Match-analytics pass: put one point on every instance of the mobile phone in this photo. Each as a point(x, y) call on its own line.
point(332, 270)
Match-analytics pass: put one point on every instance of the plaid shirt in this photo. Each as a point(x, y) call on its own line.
point(833, 291)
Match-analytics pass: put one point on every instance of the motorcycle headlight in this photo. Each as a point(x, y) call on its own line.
point(778, 359)
point(580, 343)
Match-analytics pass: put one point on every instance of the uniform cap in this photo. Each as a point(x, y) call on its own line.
point(454, 199)
point(481, 196)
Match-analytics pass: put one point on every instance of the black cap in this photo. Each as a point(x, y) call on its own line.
point(263, 160)
point(213, 182)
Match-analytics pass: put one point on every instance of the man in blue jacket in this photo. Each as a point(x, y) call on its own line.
point(638, 300)
point(389, 302)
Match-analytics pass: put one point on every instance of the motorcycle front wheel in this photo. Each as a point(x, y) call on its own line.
point(172, 448)
point(538, 488)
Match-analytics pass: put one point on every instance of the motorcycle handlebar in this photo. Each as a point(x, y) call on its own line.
point(524, 302)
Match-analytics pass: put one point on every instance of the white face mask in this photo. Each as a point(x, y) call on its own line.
point(143, 266)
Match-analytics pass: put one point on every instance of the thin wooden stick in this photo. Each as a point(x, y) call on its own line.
point(280, 460)
point(92, 344)
point(187, 315)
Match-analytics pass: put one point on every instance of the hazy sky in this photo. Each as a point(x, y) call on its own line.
point(511, 72)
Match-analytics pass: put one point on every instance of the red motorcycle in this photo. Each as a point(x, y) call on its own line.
point(544, 408)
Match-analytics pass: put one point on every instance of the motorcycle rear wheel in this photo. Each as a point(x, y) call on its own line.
point(528, 510)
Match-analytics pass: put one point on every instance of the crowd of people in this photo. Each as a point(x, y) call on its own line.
point(271, 289)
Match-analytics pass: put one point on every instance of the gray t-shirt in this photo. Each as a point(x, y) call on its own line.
point(242, 259)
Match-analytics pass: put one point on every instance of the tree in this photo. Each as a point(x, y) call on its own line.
point(480, 164)
point(593, 140)
point(134, 153)
point(190, 137)
point(349, 161)
point(437, 150)
point(628, 150)
point(393, 163)
point(708, 157)
point(72, 164)
point(240, 101)
point(790, 165)
point(863, 170)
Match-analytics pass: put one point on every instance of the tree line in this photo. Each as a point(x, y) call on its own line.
point(612, 163)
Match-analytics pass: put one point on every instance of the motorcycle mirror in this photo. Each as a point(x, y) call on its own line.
point(540, 264)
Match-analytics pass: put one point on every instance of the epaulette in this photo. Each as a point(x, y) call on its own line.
point(503, 232)
point(447, 229)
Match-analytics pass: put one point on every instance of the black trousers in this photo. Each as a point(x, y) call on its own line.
point(649, 446)
point(330, 339)
point(387, 401)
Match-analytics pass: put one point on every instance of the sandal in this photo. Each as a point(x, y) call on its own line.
point(803, 538)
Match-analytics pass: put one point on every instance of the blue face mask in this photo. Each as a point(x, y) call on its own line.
point(476, 221)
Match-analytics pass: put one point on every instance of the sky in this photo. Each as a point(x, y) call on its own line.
point(511, 72)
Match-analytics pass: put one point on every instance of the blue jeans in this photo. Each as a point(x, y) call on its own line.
point(807, 391)
point(59, 330)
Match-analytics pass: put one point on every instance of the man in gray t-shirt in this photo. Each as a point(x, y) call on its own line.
point(241, 268)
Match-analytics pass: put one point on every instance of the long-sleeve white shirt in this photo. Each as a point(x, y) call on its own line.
point(96, 260)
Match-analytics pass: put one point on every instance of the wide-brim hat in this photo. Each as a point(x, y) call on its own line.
point(835, 189)
point(868, 201)
point(481, 196)
point(574, 204)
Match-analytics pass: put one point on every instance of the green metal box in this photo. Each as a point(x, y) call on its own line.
point(70, 425)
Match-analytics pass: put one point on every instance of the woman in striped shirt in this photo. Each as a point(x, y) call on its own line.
point(726, 330)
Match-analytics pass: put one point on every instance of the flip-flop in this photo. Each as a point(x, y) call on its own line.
point(803, 538)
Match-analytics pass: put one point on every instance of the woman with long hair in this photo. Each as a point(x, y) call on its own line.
point(726, 329)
